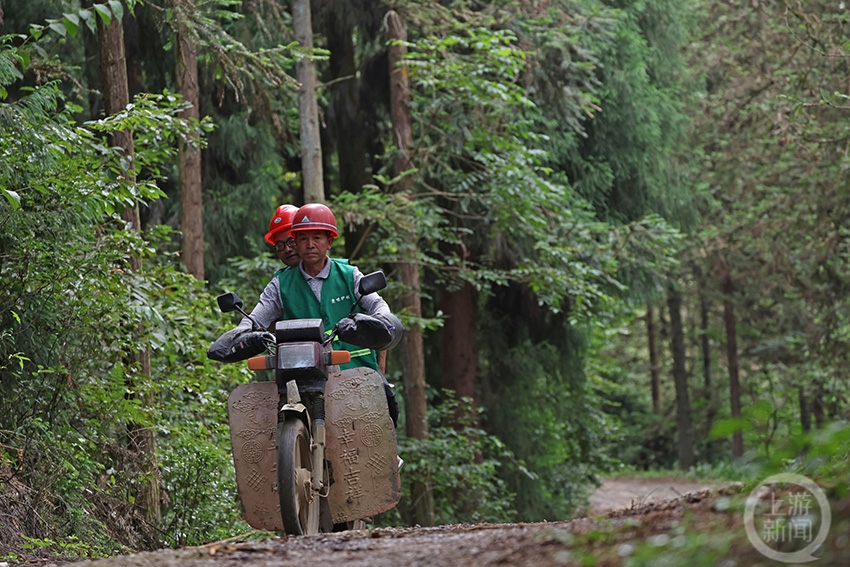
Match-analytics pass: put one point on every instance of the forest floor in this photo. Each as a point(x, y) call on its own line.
point(631, 521)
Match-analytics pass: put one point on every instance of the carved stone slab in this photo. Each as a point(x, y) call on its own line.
point(252, 409)
point(361, 446)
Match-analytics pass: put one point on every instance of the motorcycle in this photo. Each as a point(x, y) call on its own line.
point(315, 449)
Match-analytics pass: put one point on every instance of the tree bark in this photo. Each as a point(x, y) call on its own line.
point(191, 202)
point(345, 119)
point(705, 348)
point(305, 72)
point(348, 129)
point(732, 361)
point(415, 403)
point(684, 420)
point(116, 97)
point(654, 369)
point(459, 350)
point(142, 440)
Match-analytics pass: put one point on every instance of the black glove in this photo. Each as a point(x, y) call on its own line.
point(378, 333)
point(235, 345)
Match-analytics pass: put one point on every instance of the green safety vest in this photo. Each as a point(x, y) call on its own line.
point(299, 302)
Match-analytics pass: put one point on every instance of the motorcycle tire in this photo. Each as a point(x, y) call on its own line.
point(299, 507)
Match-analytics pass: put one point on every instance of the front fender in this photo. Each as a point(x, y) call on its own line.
point(296, 411)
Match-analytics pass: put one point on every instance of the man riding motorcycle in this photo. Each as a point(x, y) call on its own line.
point(320, 287)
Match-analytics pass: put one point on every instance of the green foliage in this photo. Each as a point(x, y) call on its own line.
point(552, 168)
point(493, 206)
point(775, 155)
point(211, 26)
point(821, 456)
point(70, 547)
point(461, 463)
point(539, 403)
point(72, 312)
point(198, 475)
point(70, 22)
point(191, 411)
point(245, 186)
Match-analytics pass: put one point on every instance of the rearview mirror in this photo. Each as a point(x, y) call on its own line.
point(376, 281)
point(229, 301)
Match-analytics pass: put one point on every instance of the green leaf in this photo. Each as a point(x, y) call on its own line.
point(23, 59)
point(72, 23)
point(117, 9)
point(727, 427)
point(104, 13)
point(59, 28)
point(12, 196)
point(88, 18)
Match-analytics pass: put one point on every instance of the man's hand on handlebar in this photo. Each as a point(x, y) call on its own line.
point(365, 331)
point(257, 340)
point(237, 344)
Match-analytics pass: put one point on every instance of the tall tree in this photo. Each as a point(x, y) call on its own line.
point(654, 368)
point(308, 109)
point(709, 391)
point(776, 151)
point(732, 362)
point(191, 201)
point(684, 418)
point(113, 68)
point(344, 115)
point(459, 348)
point(415, 403)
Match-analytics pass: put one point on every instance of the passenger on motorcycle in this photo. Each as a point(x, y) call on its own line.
point(324, 288)
point(279, 237)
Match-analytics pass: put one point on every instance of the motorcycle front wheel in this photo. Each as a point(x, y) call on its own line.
point(299, 507)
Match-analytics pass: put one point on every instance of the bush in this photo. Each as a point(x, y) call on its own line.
point(460, 463)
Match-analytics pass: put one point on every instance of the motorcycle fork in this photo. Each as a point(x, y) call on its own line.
point(315, 418)
point(318, 443)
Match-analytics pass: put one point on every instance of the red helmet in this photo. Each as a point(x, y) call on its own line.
point(282, 220)
point(314, 216)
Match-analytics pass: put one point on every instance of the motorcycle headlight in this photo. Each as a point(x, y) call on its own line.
point(299, 356)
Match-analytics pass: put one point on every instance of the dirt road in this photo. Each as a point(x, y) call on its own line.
point(547, 544)
point(626, 492)
point(640, 529)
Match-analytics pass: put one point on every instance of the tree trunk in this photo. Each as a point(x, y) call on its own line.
point(415, 403)
point(348, 129)
point(345, 121)
point(460, 356)
point(654, 369)
point(308, 112)
point(191, 203)
point(705, 348)
point(732, 360)
point(684, 423)
point(116, 97)
point(805, 410)
point(142, 440)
